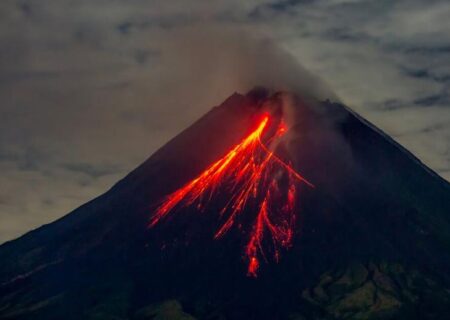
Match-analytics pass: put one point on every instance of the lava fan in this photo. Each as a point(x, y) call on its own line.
point(257, 182)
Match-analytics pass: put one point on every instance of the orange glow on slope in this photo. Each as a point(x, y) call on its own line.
point(252, 175)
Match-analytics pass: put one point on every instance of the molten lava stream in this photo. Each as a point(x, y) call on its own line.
point(253, 176)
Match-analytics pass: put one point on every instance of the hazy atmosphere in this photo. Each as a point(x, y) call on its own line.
point(90, 88)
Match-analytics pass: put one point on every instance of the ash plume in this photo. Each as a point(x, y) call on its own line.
point(211, 61)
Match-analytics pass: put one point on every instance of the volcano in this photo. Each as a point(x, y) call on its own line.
point(271, 206)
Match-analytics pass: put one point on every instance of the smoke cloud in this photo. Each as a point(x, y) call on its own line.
point(214, 61)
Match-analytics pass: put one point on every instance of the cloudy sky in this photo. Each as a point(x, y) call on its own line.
point(90, 88)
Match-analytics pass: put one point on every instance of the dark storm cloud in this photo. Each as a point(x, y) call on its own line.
point(276, 7)
point(432, 100)
point(88, 89)
point(429, 50)
point(344, 34)
point(391, 104)
point(125, 27)
point(427, 74)
point(92, 171)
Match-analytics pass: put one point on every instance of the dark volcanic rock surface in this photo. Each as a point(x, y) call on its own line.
point(372, 241)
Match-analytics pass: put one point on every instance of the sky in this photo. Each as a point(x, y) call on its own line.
point(90, 88)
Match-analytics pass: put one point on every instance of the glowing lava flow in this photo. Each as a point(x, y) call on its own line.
point(255, 179)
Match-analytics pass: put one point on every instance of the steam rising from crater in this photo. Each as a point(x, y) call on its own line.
point(210, 62)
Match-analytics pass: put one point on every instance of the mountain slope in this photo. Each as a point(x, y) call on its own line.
point(372, 237)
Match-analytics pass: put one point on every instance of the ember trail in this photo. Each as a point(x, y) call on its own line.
point(256, 179)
